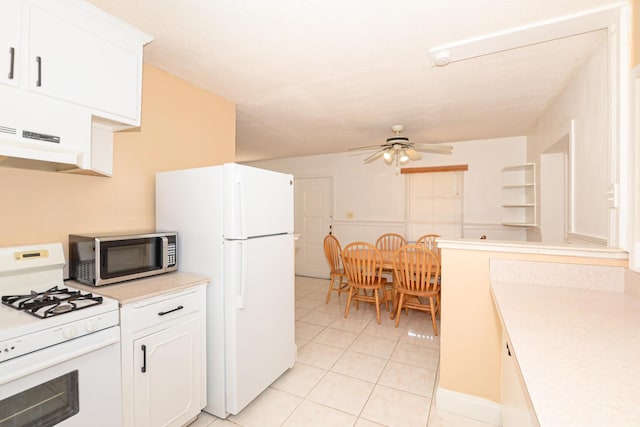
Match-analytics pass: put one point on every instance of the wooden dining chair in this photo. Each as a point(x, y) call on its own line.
point(333, 252)
point(390, 242)
point(363, 266)
point(417, 271)
point(429, 242)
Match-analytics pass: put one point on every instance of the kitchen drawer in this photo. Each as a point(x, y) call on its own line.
point(164, 308)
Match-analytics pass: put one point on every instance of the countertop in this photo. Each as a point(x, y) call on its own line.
point(578, 351)
point(135, 290)
point(538, 248)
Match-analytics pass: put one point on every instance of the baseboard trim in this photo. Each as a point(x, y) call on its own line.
point(469, 406)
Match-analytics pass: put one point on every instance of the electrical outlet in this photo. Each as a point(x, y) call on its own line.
point(349, 215)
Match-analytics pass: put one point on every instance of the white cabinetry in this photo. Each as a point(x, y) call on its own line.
point(518, 195)
point(517, 410)
point(65, 66)
point(9, 41)
point(163, 359)
point(77, 55)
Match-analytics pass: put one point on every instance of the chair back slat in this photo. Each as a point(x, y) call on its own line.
point(390, 241)
point(363, 264)
point(416, 269)
point(333, 251)
point(429, 242)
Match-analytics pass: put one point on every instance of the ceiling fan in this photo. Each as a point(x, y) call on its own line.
point(399, 150)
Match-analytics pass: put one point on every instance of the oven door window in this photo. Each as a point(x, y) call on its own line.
point(44, 405)
point(130, 256)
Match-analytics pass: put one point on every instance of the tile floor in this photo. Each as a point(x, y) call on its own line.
point(351, 372)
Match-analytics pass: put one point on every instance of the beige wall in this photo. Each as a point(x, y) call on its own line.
point(584, 100)
point(357, 186)
point(182, 126)
point(635, 34)
point(470, 342)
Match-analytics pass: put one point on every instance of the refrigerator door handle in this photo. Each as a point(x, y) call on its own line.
point(241, 212)
point(240, 302)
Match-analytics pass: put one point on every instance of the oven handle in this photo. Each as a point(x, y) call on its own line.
point(98, 341)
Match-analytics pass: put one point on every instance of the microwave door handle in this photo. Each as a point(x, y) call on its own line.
point(165, 253)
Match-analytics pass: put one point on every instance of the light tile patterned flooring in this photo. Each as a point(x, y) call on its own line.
point(351, 372)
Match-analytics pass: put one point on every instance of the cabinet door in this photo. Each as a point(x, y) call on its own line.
point(9, 41)
point(69, 62)
point(516, 406)
point(167, 376)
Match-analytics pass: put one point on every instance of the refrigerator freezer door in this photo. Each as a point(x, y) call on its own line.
point(257, 202)
point(259, 314)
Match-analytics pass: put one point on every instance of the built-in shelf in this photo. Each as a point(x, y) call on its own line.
point(518, 195)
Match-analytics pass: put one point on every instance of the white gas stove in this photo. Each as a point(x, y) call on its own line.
point(58, 345)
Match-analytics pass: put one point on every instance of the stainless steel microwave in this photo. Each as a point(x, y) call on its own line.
point(98, 260)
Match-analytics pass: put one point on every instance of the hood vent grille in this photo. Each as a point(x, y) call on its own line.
point(8, 130)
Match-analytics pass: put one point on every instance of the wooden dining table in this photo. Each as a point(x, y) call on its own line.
point(387, 259)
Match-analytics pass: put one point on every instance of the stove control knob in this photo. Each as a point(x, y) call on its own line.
point(69, 332)
point(90, 325)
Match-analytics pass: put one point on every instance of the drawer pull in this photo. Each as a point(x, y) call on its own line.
point(12, 55)
point(144, 358)
point(162, 313)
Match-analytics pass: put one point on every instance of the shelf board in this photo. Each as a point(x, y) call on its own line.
point(522, 167)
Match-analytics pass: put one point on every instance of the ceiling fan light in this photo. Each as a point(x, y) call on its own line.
point(403, 157)
point(387, 155)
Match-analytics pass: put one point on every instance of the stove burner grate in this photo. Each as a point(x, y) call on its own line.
point(52, 302)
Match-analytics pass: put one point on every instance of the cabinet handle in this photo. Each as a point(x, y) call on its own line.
point(162, 313)
point(39, 62)
point(12, 57)
point(508, 351)
point(144, 358)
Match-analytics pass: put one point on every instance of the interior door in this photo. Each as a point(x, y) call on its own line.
point(259, 315)
point(554, 212)
point(313, 219)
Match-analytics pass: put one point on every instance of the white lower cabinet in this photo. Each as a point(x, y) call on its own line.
point(517, 410)
point(163, 359)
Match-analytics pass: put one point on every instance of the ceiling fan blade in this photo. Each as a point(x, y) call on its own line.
point(368, 147)
point(374, 156)
point(413, 154)
point(434, 148)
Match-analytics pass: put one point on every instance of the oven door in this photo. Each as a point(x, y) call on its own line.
point(73, 384)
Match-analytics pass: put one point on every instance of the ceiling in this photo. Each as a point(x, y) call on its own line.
point(323, 76)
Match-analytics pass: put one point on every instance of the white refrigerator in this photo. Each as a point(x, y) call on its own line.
point(235, 225)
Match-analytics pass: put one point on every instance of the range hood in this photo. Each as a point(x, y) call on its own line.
point(38, 132)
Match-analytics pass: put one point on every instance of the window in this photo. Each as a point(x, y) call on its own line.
point(434, 202)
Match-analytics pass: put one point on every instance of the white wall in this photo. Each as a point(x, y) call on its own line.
point(375, 194)
point(586, 101)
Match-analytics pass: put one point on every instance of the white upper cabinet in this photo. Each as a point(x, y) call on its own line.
point(9, 41)
point(70, 74)
point(79, 54)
